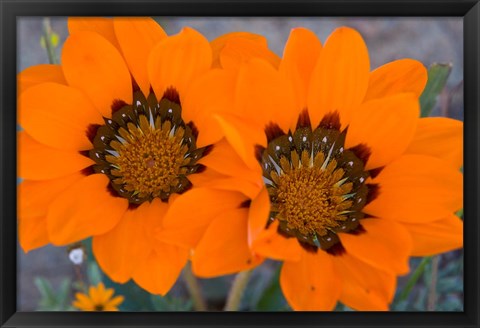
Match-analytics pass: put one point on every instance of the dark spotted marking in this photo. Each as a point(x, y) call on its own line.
point(330, 121)
point(362, 151)
point(336, 250)
point(92, 131)
point(133, 206)
point(117, 104)
point(373, 192)
point(259, 152)
point(273, 131)
point(308, 247)
point(359, 230)
point(304, 120)
point(375, 172)
point(246, 203)
point(89, 170)
point(194, 129)
point(172, 94)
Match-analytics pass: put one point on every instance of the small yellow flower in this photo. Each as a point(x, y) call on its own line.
point(98, 299)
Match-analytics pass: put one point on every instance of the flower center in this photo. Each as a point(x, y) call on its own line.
point(99, 307)
point(146, 149)
point(316, 186)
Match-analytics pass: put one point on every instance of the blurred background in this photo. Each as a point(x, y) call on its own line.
point(434, 284)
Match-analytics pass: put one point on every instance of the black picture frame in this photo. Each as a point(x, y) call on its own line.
point(11, 9)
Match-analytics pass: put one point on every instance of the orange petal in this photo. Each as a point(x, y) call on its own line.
point(86, 208)
point(223, 249)
point(100, 25)
point(311, 284)
point(264, 95)
point(57, 116)
point(137, 37)
point(204, 178)
point(219, 43)
point(37, 74)
point(32, 232)
point(386, 126)
point(269, 243)
point(211, 93)
point(340, 77)
point(439, 137)
point(247, 188)
point(225, 160)
point(212, 179)
point(436, 237)
point(417, 189)
point(385, 245)
point(190, 214)
point(39, 162)
point(34, 197)
point(114, 302)
point(177, 61)
point(160, 271)
point(243, 136)
point(96, 67)
point(240, 50)
point(364, 288)
point(258, 215)
point(298, 62)
point(399, 76)
point(122, 249)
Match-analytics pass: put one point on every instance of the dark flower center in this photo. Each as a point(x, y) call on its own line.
point(99, 307)
point(317, 187)
point(146, 149)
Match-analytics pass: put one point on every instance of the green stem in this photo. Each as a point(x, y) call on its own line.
point(414, 278)
point(237, 290)
point(47, 31)
point(432, 296)
point(194, 288)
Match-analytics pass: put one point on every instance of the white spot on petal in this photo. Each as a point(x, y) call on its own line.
point(350, 163)
point(304, 139)
point(362, 179)
point(324, 139)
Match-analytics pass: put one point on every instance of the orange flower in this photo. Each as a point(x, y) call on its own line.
point(352, 181)
point(113, 141)
point(98, 299)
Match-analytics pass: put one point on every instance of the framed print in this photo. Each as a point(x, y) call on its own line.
point(226, 163)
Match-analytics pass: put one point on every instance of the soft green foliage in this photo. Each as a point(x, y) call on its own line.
point(437, 79)
point(51, 299)
point(169, 303)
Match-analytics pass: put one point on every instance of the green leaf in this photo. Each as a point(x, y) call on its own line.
point(43, 44)
point(414, 278)
point(93, 273)
point(437, 78)
point(47, 295)
point(272, 298)
point(51, 300)
point(64, 293)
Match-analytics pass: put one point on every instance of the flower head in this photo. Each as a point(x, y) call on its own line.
point(113, 144)
point(351, 181)
point(98, 298)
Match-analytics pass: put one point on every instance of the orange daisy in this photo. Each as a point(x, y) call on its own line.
point(111, 148)
point(351, 182)
point(98, 299)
